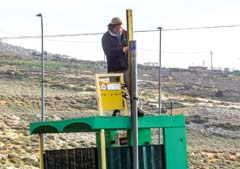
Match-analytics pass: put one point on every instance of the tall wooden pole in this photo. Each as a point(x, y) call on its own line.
point(130, 38)
point(132, 86)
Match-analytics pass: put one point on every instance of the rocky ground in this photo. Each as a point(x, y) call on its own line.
point(209, 99)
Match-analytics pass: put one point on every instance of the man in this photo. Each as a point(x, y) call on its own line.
point(115, 47)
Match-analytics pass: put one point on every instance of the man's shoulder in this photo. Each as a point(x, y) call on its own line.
point(106, 35)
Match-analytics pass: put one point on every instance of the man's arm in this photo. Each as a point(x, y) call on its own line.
point(112, 50)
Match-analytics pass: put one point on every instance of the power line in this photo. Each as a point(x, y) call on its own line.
point(51, 36)
point(10, 33)
point(100, 33)
point(204, 27)
point(183, 53)
point(154, 50)
point(189, 28)
point(70, 41)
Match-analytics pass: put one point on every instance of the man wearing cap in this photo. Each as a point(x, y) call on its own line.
point(115, 47)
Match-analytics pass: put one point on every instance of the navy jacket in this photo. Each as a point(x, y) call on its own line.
point(117, 60)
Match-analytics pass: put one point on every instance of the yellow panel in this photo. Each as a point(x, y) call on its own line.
point(110, 93)
point(111, 96)
point(112, 100)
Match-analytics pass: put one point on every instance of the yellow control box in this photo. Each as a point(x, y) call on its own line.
point(110, 92)
point(111, 96)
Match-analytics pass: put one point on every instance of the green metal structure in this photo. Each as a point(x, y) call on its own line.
point(173, 128)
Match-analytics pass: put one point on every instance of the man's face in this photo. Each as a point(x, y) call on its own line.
point(117, 29)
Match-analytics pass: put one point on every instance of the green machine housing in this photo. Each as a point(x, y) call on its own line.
point(172, 154)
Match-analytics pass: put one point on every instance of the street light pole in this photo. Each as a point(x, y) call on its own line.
point(41, 136)
point(159, 81)
point(134, 109)
point(42, 68)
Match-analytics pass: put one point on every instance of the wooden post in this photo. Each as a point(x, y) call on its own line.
point(103, 149)
point(130, 38)
point(102, 132)
point(40, 142)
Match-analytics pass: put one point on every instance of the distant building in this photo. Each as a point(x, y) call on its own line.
point(197, 68)
point(150, 63)
point(226, 69)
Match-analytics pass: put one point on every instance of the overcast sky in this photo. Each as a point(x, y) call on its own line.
point(179, 48)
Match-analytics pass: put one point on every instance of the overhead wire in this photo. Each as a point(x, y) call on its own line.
point(168, 52)
point(9, 33)
point(139, 31)
point(100, 33)
point(189, 28)
point(204, 27)
point(70, 41)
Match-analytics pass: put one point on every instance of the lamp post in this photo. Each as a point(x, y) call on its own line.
point(41, 136)
point(42, 75)
point(159, 81)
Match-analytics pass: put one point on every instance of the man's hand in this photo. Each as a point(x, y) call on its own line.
point(125, 49)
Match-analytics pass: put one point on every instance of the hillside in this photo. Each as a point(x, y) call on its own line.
point(209, 99)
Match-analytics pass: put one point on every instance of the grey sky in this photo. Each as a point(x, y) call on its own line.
point(180, 48)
